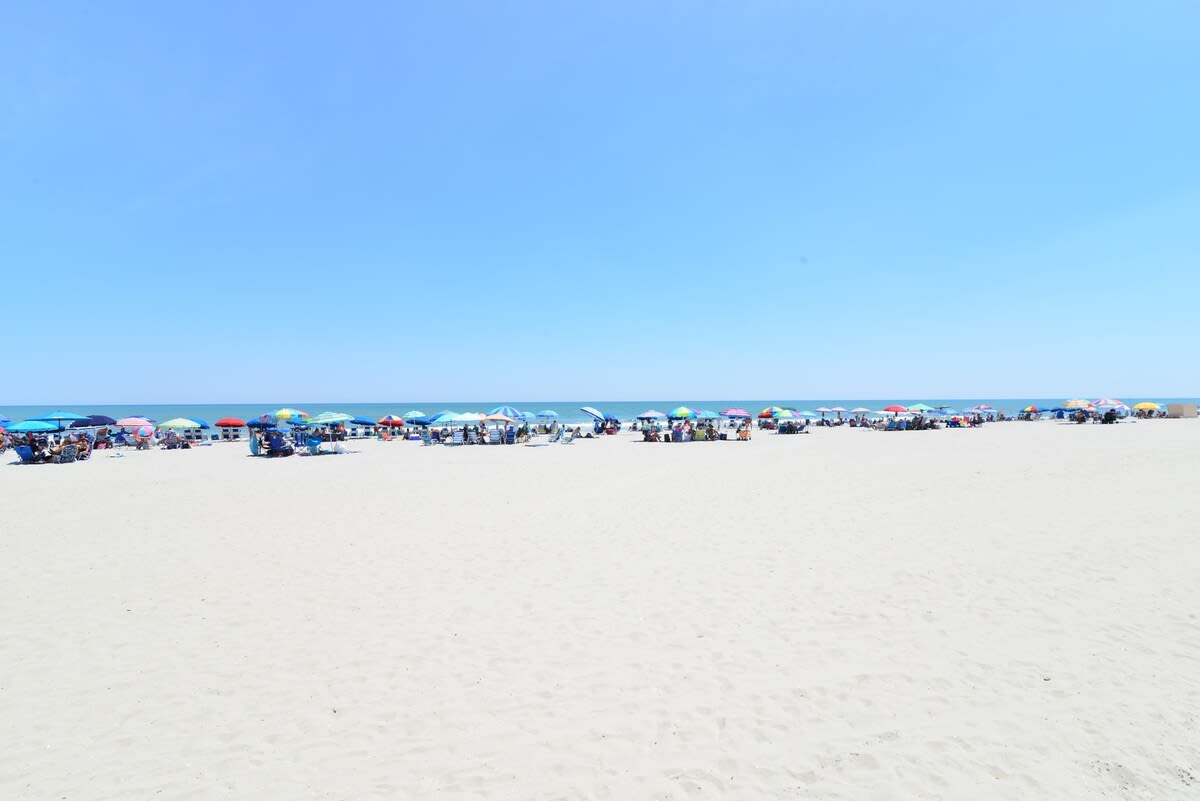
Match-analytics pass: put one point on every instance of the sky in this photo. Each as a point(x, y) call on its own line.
point(224, 202)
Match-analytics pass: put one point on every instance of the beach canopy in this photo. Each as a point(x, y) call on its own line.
point(230, 422)
point(179, 422)
point(735, 412)
point(1146, 406)
point(651, 414)
point(681, 413)
point(32, 426)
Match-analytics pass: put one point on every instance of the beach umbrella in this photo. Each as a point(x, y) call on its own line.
point(860, 410)
point(783, 414)
point(1146, 406)
point(444, 416)
point(179, 422)
point(329, 419)
point(288, 415)
point(60, 417)
point(144, 431)
point(1031, 410)
point(497, 418)
point(390, 420)
point(1109, 403)
point(1077, 403)
point(230, 422)
point(707, 414)
point(920, 407)
point(132, 422)
point(508, 411)
point(768, 412)
point(261, 422)
point(735, 412)
point(651, 414)
point(681, 413)
point(469, 417)
point(549, 414)
point(593, 412)
point(413, 414)
point(896, 409)
point(93, 421)
point(361, 421)
point(34, 426)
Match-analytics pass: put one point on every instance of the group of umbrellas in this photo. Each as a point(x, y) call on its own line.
point(299, 418)
point(62, 420)
point(1100, 404)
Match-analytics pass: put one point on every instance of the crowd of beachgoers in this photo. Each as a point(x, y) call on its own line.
point(63, 436)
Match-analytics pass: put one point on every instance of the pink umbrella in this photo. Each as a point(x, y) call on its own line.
point(132, 422)
point(736, 413)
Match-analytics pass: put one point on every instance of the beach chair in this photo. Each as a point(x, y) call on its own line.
point(566, 439)
point(495, 436)
point(278, 446)
point(426, 438)
point(556, 435)
point(457, 437)
point(743, 435)
point(510, 436)
point(68, 454)
point(473, 437)
point(26, 454)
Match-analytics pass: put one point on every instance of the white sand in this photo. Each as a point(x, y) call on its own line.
point(1000, 614)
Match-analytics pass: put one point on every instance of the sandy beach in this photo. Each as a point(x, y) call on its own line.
point(1002, 613)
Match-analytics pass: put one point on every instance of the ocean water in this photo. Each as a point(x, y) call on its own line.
point(568, 411)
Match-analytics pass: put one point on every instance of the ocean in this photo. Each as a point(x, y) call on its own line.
point(568, 411)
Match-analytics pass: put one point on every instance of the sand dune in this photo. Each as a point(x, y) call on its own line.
point(1002, 613)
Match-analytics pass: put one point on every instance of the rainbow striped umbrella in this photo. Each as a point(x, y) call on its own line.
point(1077, 403)
point(1031, 410)
point(286, 415)
point(681, 413)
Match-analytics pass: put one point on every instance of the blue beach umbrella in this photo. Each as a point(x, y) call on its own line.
point(361, 421)
point(549, 414)
point(94, 421)
point(507, 411)
point(32, 426)
point(61, 417)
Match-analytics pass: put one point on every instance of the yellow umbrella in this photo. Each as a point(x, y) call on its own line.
point(1146, 406)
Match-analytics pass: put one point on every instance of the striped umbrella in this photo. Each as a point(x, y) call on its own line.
point(287, 415)
point(1077, 403)
point(391, 420)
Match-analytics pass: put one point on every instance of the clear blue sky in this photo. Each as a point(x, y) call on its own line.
point(378, 201)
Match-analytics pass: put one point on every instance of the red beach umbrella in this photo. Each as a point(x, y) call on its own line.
point(895, 409)
point(230, 422)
